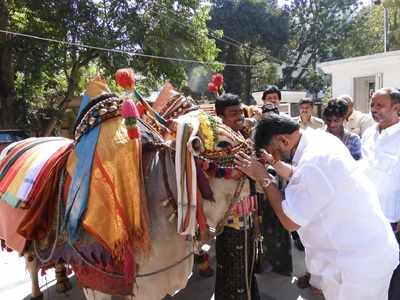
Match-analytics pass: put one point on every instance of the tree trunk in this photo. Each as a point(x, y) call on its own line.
point(8, 111)
point(232, 75)
point(247, 81)
point(73, 80)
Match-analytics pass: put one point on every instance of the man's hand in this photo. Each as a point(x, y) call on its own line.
point(251, 167)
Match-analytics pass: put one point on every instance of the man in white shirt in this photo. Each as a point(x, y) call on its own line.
point(351, 251)
point(381, 152)
point(356, 121)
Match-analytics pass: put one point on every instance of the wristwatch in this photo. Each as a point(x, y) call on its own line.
point(265, 183)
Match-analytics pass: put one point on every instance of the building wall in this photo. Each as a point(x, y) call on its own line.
point(344, 72)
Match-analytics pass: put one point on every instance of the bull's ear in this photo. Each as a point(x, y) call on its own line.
point(195, 145)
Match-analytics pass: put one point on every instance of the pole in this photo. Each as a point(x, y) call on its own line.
point(385, 19)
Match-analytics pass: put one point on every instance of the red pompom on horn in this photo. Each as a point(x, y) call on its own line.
point(216, 84)
point(125, 78)
point(218, 80)
point(212, 88)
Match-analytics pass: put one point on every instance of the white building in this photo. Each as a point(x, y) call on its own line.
point(360, 76)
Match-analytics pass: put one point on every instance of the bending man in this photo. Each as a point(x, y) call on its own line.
point(351, 251)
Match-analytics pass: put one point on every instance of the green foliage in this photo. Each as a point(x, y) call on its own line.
point(365, 35)
point(367, 32)
point(48, 74)
point(316, 28)
point(393, 7)
point(259, 32)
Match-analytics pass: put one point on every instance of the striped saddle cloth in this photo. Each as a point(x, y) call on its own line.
point(24, 163)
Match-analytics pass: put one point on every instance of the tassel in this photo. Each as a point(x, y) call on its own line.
point(130, 112)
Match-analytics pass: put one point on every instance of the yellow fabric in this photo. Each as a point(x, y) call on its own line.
point(97, 87)
point(114, 209)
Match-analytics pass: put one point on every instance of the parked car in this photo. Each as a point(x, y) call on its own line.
point(9, 136)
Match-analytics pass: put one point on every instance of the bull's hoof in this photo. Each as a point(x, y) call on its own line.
point(38, 297)
point(63, 286)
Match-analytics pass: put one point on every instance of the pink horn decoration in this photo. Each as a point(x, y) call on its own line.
point(130, 113)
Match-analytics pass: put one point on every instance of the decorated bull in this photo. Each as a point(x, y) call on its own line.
point(124, 203)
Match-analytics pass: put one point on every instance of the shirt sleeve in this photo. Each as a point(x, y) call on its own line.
point(355, 147)
point(365, 122)
point(307, 194)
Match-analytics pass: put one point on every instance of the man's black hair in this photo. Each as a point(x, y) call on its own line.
point(306, 101)
point(271, 89)
point(336, 108)
point(393, 93)
point(271, 125)
point(225, 101)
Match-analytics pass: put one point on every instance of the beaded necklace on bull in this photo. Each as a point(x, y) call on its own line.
point(106, 106)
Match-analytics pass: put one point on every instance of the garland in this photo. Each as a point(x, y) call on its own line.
point(208, 130)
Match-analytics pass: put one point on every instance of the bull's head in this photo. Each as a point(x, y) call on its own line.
point(209, 141)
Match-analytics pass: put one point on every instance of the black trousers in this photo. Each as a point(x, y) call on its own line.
point(394, 289)
point(230, 283)
point(276, 241)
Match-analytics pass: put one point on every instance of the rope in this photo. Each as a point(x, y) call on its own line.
point(119, 275)
point(246, 263)
point(220, 226)
point(121, 51)
point(166, 268)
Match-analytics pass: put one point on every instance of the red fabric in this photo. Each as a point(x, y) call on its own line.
point(43, 197)
point(94, 279)
point(10, 218)
point(201, 218)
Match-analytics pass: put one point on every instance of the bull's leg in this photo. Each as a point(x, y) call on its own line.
point(63, 284)
point(33, 269)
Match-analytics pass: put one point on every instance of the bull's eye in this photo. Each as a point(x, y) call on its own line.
point(223, 144)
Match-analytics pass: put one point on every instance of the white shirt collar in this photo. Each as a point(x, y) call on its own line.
point(300, 148)
point(389, 131)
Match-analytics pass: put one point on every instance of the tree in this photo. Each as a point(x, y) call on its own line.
point(42, 76)
point(316, 28)
point(7, 86)
point(366, 32)
point(255, 33)
point(393, 7)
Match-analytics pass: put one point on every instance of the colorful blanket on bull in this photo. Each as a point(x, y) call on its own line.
point(116, 213)
point(23, 166)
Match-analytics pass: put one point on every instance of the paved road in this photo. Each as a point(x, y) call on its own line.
point(15, 283)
